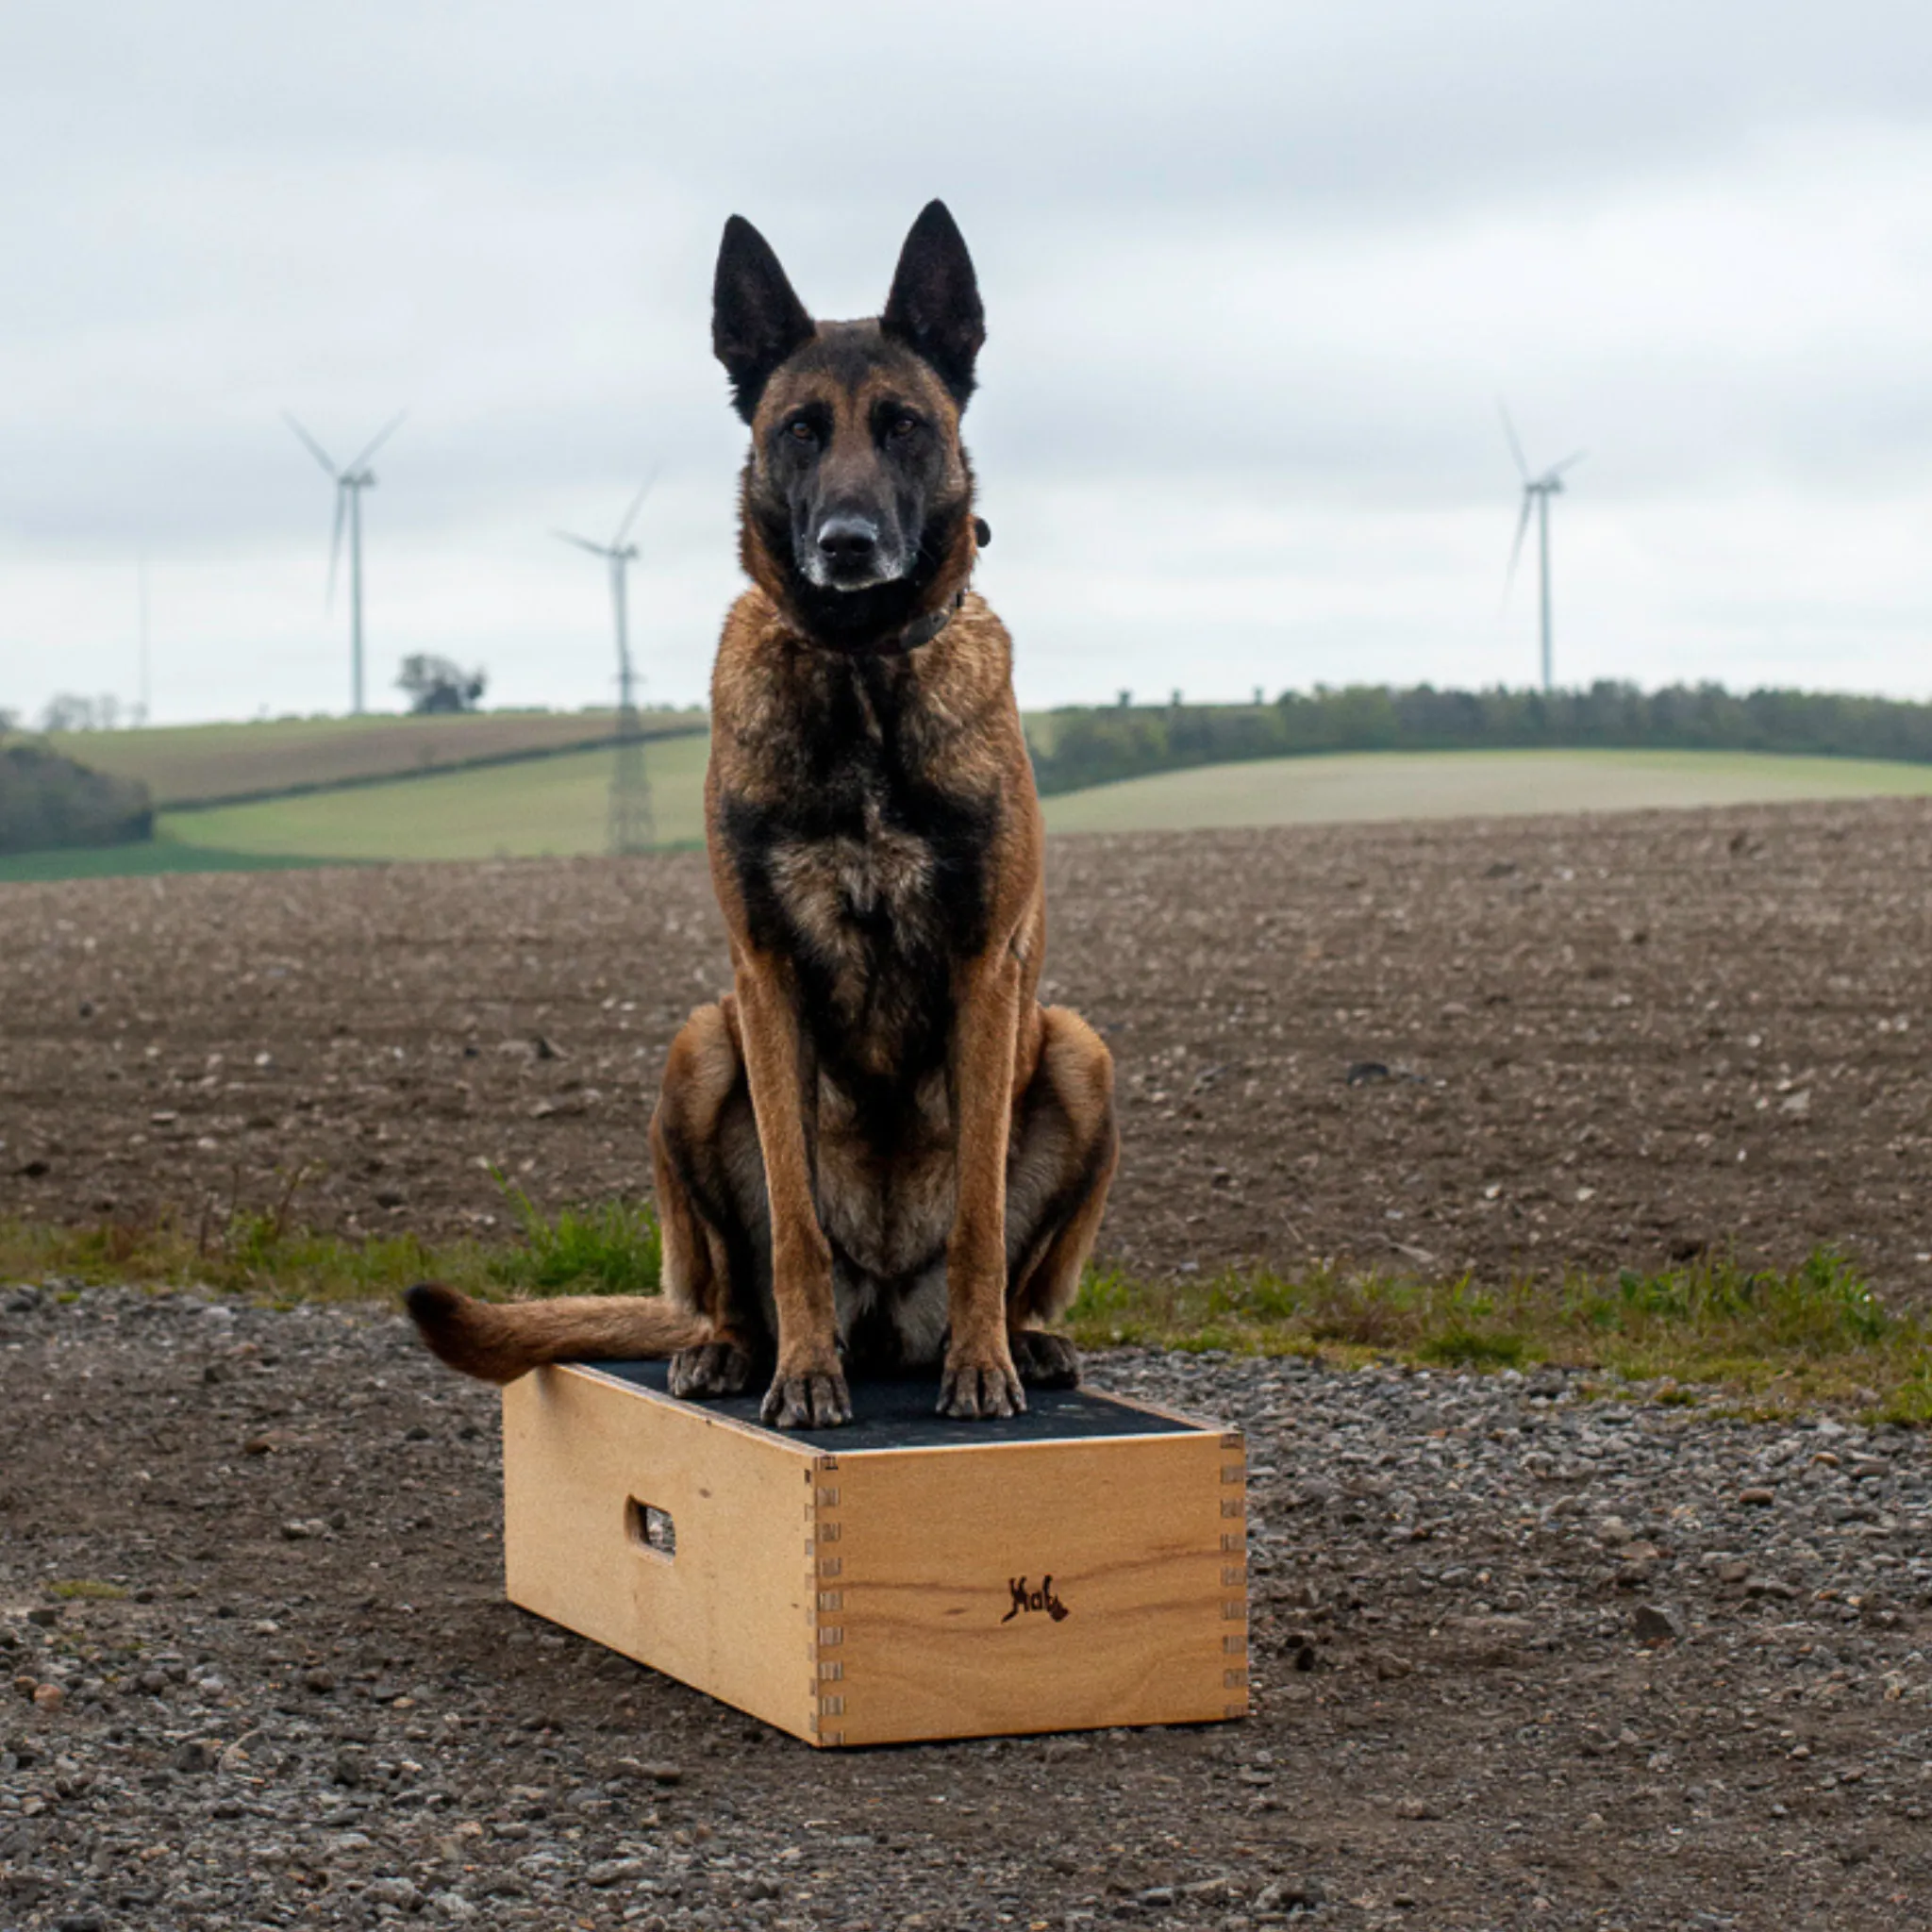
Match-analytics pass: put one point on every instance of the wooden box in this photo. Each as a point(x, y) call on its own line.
point(904, 1577)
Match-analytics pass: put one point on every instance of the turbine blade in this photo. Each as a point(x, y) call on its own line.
point(1569, 462)
point(1516, 548)
point(315, 449)
point(395, 422)
point(582, 543)
point(335, 542)
point(1515, 447)
point(630, 516)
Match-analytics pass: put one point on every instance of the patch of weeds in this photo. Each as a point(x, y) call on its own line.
point(1908, 1402)
point(1466, 1348)
point(611, 1248)
point(87, 1589)
point(255, 1252)
point(1783, 1340)
point(615, 1247)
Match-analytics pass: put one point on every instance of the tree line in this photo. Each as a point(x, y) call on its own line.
point(1102, 745)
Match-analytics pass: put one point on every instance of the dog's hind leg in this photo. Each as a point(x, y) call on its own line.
point(1065, 1145)
point(712, 1206)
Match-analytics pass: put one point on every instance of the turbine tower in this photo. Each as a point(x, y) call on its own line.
point(632, 829)
point(350, 484)
point(1536, 491)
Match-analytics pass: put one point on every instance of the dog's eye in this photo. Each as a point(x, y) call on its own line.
point(903, 426)
point(802, 431)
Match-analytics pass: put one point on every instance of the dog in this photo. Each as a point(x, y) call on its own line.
point(878, 1151)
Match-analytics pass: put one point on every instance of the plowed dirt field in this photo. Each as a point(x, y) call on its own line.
point(1517, 1045)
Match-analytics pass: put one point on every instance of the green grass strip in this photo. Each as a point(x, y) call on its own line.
point(1774, 1340)
point(1815, 1335)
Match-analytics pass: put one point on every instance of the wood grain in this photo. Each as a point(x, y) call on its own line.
point(731, 1613)
point(933, 1545)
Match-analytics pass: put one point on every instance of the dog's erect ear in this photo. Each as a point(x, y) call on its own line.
point(934, 307)
point(757, 321)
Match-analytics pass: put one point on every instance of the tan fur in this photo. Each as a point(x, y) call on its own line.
point(499, 1341)
point(959, 690)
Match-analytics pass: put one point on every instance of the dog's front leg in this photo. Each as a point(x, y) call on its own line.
point(979, 1378)
point(809, 1391)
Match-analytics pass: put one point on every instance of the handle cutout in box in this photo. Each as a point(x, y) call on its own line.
point(650, 1527)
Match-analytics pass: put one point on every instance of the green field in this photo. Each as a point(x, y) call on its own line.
point(559, 805)
point(145, 860)
point(1360, 786)
point(554, 805)
point(178, 762)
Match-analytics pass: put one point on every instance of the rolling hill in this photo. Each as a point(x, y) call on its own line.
point(1366, 785)
point(216, 761)
point(558, 804)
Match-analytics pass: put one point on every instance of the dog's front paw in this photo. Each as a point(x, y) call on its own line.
point(970, 1389)
point(814, 1398)
point(1044, 1360)
point(712, 1368)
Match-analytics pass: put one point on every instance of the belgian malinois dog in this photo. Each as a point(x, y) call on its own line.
point(878, 1149)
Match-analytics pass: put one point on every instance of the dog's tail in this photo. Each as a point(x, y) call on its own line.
point(499, 1341)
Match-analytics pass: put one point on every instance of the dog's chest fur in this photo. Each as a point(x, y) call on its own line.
point(867, 872)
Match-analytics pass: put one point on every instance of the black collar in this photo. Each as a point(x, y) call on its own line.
point(923, 630)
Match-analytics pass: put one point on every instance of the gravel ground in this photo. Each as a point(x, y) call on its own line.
point(1525, 1658)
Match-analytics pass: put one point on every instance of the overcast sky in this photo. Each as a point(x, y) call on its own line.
point(1256, 276)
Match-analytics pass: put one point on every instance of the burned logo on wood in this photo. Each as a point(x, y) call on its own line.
point(1040, 1599)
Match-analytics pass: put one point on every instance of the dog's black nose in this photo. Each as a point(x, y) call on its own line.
point(848, 539)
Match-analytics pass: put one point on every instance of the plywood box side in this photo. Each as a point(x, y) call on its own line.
point(1043, 1586)
point(732, 1611)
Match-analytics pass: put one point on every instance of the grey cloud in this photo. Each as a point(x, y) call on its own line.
point(1229, 250)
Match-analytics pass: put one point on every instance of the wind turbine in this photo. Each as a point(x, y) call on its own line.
point(619, 556)
point(631, 828)
point(1536, 491)
point(350, 484)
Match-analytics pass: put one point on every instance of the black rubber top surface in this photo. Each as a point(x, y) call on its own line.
point(899, 1415)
